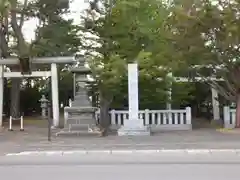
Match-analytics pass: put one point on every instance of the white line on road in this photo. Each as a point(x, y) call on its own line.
point(133, 151)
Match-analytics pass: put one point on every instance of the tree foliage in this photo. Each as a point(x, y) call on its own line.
point(210, 32)
point(120, 32)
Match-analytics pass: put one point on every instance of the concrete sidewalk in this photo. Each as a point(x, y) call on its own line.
point(36, 139)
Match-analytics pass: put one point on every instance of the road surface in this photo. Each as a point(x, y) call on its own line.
point(122, 167)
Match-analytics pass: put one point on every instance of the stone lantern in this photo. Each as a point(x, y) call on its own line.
point(80, 117)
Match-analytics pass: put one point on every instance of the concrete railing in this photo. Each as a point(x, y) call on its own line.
point(156, 119)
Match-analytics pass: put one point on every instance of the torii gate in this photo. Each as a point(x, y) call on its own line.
point(215, 102)
point(53, 74)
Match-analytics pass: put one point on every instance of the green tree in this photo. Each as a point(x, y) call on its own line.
point(123, 32)
point(206, 33)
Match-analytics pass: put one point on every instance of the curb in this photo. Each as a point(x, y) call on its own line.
point(109, 152)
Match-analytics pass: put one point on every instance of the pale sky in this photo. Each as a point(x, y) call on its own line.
point(76, 7)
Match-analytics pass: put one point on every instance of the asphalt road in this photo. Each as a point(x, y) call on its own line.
point(121, 167)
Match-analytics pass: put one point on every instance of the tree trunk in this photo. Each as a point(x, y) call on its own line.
point(238, 111)
point(104, 112)
point(15, 96)
point(23, 51)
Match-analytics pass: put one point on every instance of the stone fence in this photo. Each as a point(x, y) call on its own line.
point(180, 119)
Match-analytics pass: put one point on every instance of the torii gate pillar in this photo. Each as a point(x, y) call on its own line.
point(55, 96)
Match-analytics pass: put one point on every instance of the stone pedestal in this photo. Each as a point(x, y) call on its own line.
point(134, 128)
point(80, 119)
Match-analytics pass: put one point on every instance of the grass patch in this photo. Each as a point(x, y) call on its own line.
point(229, 130)
point(34, 121)
point(225, 129)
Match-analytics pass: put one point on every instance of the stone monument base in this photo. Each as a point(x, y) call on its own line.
point(80, 120)
point(134, 128)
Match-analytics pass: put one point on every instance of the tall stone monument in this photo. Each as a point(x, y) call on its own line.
point(133, 126)
point(80, 117)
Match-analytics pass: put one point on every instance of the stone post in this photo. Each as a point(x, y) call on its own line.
point(215, 105)
point(227, 118)
point(133, 126)
point(169, 92)
point(44, 106)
